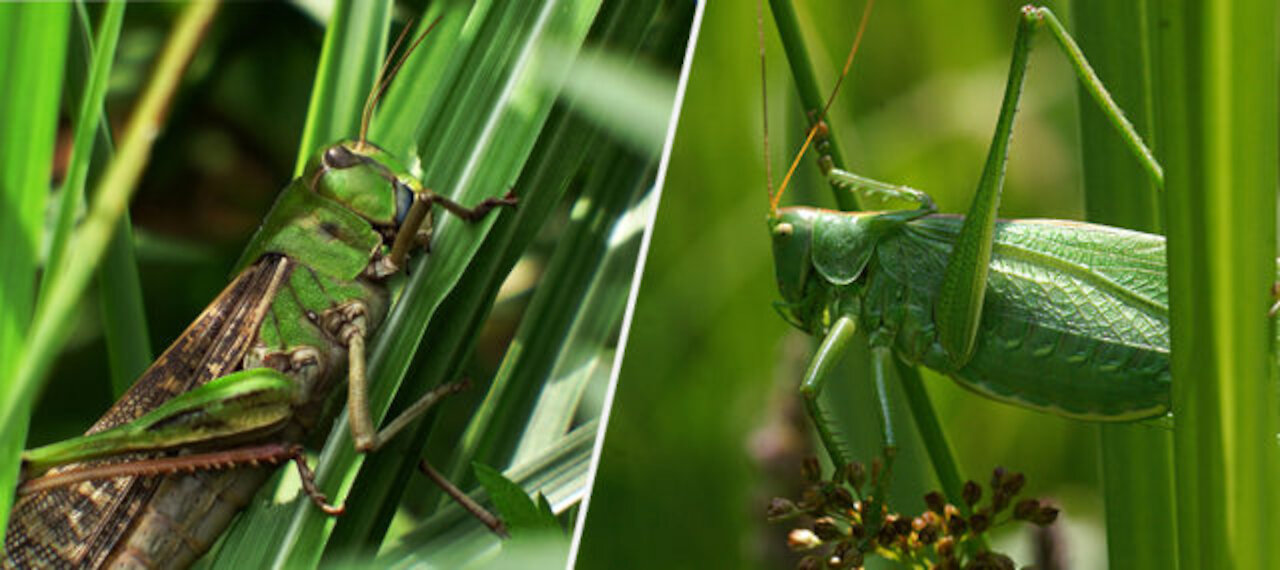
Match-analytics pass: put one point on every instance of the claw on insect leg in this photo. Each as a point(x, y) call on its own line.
point(309, 484)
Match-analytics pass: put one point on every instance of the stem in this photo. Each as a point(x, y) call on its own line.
point(1218, 141)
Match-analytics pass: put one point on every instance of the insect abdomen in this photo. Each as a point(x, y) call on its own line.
point(1064, 328)
point(186, 516)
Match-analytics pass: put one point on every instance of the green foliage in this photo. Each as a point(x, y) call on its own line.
point(1216, 129)
point(35, 39)
point(521, 514)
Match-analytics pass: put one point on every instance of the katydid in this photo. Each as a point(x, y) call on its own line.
point(1063, 317)
point(246, 381)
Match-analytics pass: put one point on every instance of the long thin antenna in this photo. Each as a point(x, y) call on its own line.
point(817, 121)
point(385, 77)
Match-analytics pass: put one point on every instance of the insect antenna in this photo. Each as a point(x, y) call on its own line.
point(385, 76)
point(817, 120)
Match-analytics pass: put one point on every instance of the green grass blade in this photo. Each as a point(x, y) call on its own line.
point(1137, 460)
point(559, 474)
point(537, 384)
point(90, 241)
point(35, 38)
point(1217, 137)
point(123, 317)
point(603, 83)
point(88, 113)
point(539, 388)
point(119, 288)
point(413, 103)
point(812, 99)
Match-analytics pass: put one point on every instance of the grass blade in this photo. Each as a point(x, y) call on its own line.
point(35, 38)
point(354, 44)
point(88, 114)
point(1137, 460)
point(119, 286)
point(1217, 137)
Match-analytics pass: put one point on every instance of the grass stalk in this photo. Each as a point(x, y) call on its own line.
point(1216, 133)
point(35, 38)
point(1137, 467)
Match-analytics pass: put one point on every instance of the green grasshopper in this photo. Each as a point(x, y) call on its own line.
point(1063, 317)
point(246, 381)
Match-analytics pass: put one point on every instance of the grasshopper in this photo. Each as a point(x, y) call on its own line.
point(1063, 317)
point(246, 381)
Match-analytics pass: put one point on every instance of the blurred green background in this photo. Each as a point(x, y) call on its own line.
point(705, 426)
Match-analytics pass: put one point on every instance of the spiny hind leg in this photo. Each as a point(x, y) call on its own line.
point(249, 456)
point(226, 409)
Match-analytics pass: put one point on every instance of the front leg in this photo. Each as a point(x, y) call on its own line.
point(367, 439)
point(825, 358)
point(352, 329)
point(418, 222)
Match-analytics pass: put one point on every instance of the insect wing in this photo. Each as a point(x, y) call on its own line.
point(79, 526)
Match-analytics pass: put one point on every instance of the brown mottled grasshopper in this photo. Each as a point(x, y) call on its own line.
point(156, 480)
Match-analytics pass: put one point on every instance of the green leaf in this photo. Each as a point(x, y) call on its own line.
point(35, 38)
point(353, 51)
point(1216, 132)
point(520, 513)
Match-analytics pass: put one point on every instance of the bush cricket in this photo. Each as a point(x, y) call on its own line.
point(1063, 317)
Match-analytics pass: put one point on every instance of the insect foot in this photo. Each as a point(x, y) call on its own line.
point(841, 523)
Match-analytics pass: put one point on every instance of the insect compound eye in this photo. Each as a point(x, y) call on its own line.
point(339, 157)
point(783, 230)
point(404, 201)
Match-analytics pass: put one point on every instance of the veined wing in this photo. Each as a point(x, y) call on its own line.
point(79, 525)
